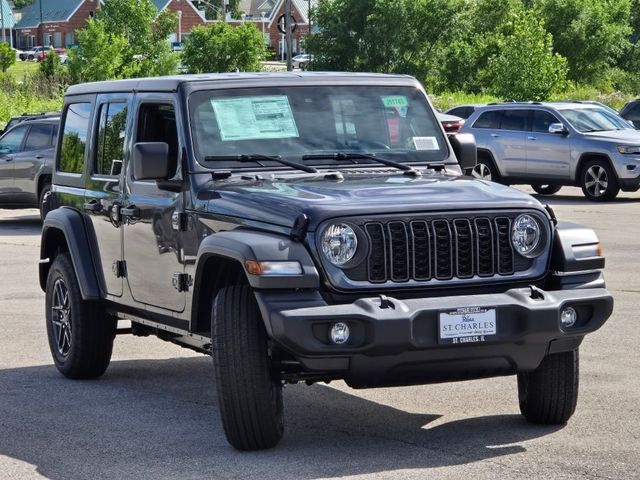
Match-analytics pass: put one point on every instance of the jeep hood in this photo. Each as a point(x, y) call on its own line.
point(280, 200)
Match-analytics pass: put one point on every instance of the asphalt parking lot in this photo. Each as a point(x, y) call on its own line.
point(154, 414)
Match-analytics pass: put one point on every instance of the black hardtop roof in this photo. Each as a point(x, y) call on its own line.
point(172, 83)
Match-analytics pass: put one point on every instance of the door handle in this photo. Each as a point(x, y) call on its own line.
point(93, 206)
point(39, 157)
point(532, 138)
point(495, 135)
point(130, 211)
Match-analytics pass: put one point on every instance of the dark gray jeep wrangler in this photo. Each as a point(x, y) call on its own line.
point(306, 227)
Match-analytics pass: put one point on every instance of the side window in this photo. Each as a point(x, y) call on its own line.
point(110, 143)
point(514, 120)
point(12, 141)
point(490, 119)
point(542, 120)
point(157, 123)
point(634, 113)
point(74, 137)
point(39, 137)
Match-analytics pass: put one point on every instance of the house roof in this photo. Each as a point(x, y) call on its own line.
point(253, 8)
point(161, 4)
point(6, 14)
point(52, 11)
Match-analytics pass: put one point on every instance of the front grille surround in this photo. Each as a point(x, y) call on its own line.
point(438, 249)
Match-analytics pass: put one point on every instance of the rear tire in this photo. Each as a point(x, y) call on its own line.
point(549, 394)
point(598, 181)
point(545, 189)
point(250, 399)
point(80, 332)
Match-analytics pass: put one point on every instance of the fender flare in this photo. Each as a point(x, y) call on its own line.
point(72, 226)
point(563, 258)
point(242, 245)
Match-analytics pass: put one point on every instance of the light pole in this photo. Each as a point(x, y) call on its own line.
point(289, 35)
point(41, 25)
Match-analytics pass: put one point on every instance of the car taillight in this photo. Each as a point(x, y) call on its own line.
point(452, 127)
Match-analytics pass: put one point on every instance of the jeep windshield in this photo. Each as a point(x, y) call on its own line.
point(597, 119)
point(311, 125)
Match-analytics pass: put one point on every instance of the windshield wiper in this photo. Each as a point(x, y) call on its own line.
point(406, 169)
point(256, 157)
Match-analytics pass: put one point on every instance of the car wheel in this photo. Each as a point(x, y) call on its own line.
point(45, 200)
point(30, 57)
point(598, 181)
point(485, 170)
point(549, 394)
point(546, 189)
point(250, 398)
point(80, 332)
point(301, 66)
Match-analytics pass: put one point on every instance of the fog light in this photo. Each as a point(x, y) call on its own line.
point(568, 317)
point(339, 333)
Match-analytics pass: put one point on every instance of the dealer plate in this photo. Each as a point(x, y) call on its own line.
point(467, 325)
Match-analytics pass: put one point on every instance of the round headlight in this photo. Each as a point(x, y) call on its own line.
point(525, 235)
point(339, 243)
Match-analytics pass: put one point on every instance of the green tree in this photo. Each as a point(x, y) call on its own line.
point(590, 34)
point(526, 67)
point(7, 56)
point(127, 39)
point(22, 3)
point(218, 47)
point(382, 35)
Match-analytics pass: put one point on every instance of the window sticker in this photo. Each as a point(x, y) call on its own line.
point(254, 118)
point(425, 143)
point(395, 101)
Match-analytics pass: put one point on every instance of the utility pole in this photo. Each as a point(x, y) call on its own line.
point(288, 35)
point(223, 10)
point(41, 26)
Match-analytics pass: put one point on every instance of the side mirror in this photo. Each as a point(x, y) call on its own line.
point(558, 128)
point(151, 161)
point(464, 147)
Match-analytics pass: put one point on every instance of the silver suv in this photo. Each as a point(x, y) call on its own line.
point(549, 145)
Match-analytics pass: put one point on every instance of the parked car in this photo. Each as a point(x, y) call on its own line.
point(26, 163)
point(631, 112)
point(28, 116)
point(451, 123)
point(301, 61)
point(41, 55)
point(274, 222)
point(549, 145)
point(463, 111)
point(31, 54)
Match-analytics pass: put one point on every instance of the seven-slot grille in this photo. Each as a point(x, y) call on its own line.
point(439, 248)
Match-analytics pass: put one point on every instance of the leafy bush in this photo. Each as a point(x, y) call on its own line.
point(50, 66)
point(7, 56)
point(219, 47)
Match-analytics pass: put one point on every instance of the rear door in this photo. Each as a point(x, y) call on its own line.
point(103, 195)
point(510, 142)
point(548, 154)
point(152, 240)
point(38, 149)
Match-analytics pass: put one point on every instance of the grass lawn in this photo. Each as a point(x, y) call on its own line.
point(19, 68)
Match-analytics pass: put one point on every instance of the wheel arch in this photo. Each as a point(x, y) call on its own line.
point(64, 231)
point(221, 262)
point(486, 154)
point(585, 157)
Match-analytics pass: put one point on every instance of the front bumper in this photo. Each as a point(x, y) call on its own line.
point(399, 345)
point(628, 171)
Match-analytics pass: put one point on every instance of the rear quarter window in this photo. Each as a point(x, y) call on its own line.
point(490, 119)
point(75, 129)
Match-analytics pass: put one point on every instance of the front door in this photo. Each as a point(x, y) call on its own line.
point(151, 236)
point(103, 198)
point(548, 154)
point(10, 146)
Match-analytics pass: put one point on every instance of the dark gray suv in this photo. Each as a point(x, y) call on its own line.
point(26, 158)
point(549, 145)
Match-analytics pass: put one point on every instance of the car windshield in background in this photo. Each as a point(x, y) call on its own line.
point(587, 120)
point(391, 122)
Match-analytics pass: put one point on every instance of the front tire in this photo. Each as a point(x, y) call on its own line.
point(545, 189)
point(44, 201)
point(80, 332)
point(549, 394)
point(485, 170)
point(250, 398)
point(598, 181)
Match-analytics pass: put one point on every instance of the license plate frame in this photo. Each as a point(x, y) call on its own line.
point(467, 325)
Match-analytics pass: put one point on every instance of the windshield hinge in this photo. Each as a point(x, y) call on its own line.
point(181, 281)
point(551, 213)
point(220, 174)
point(299, 229)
